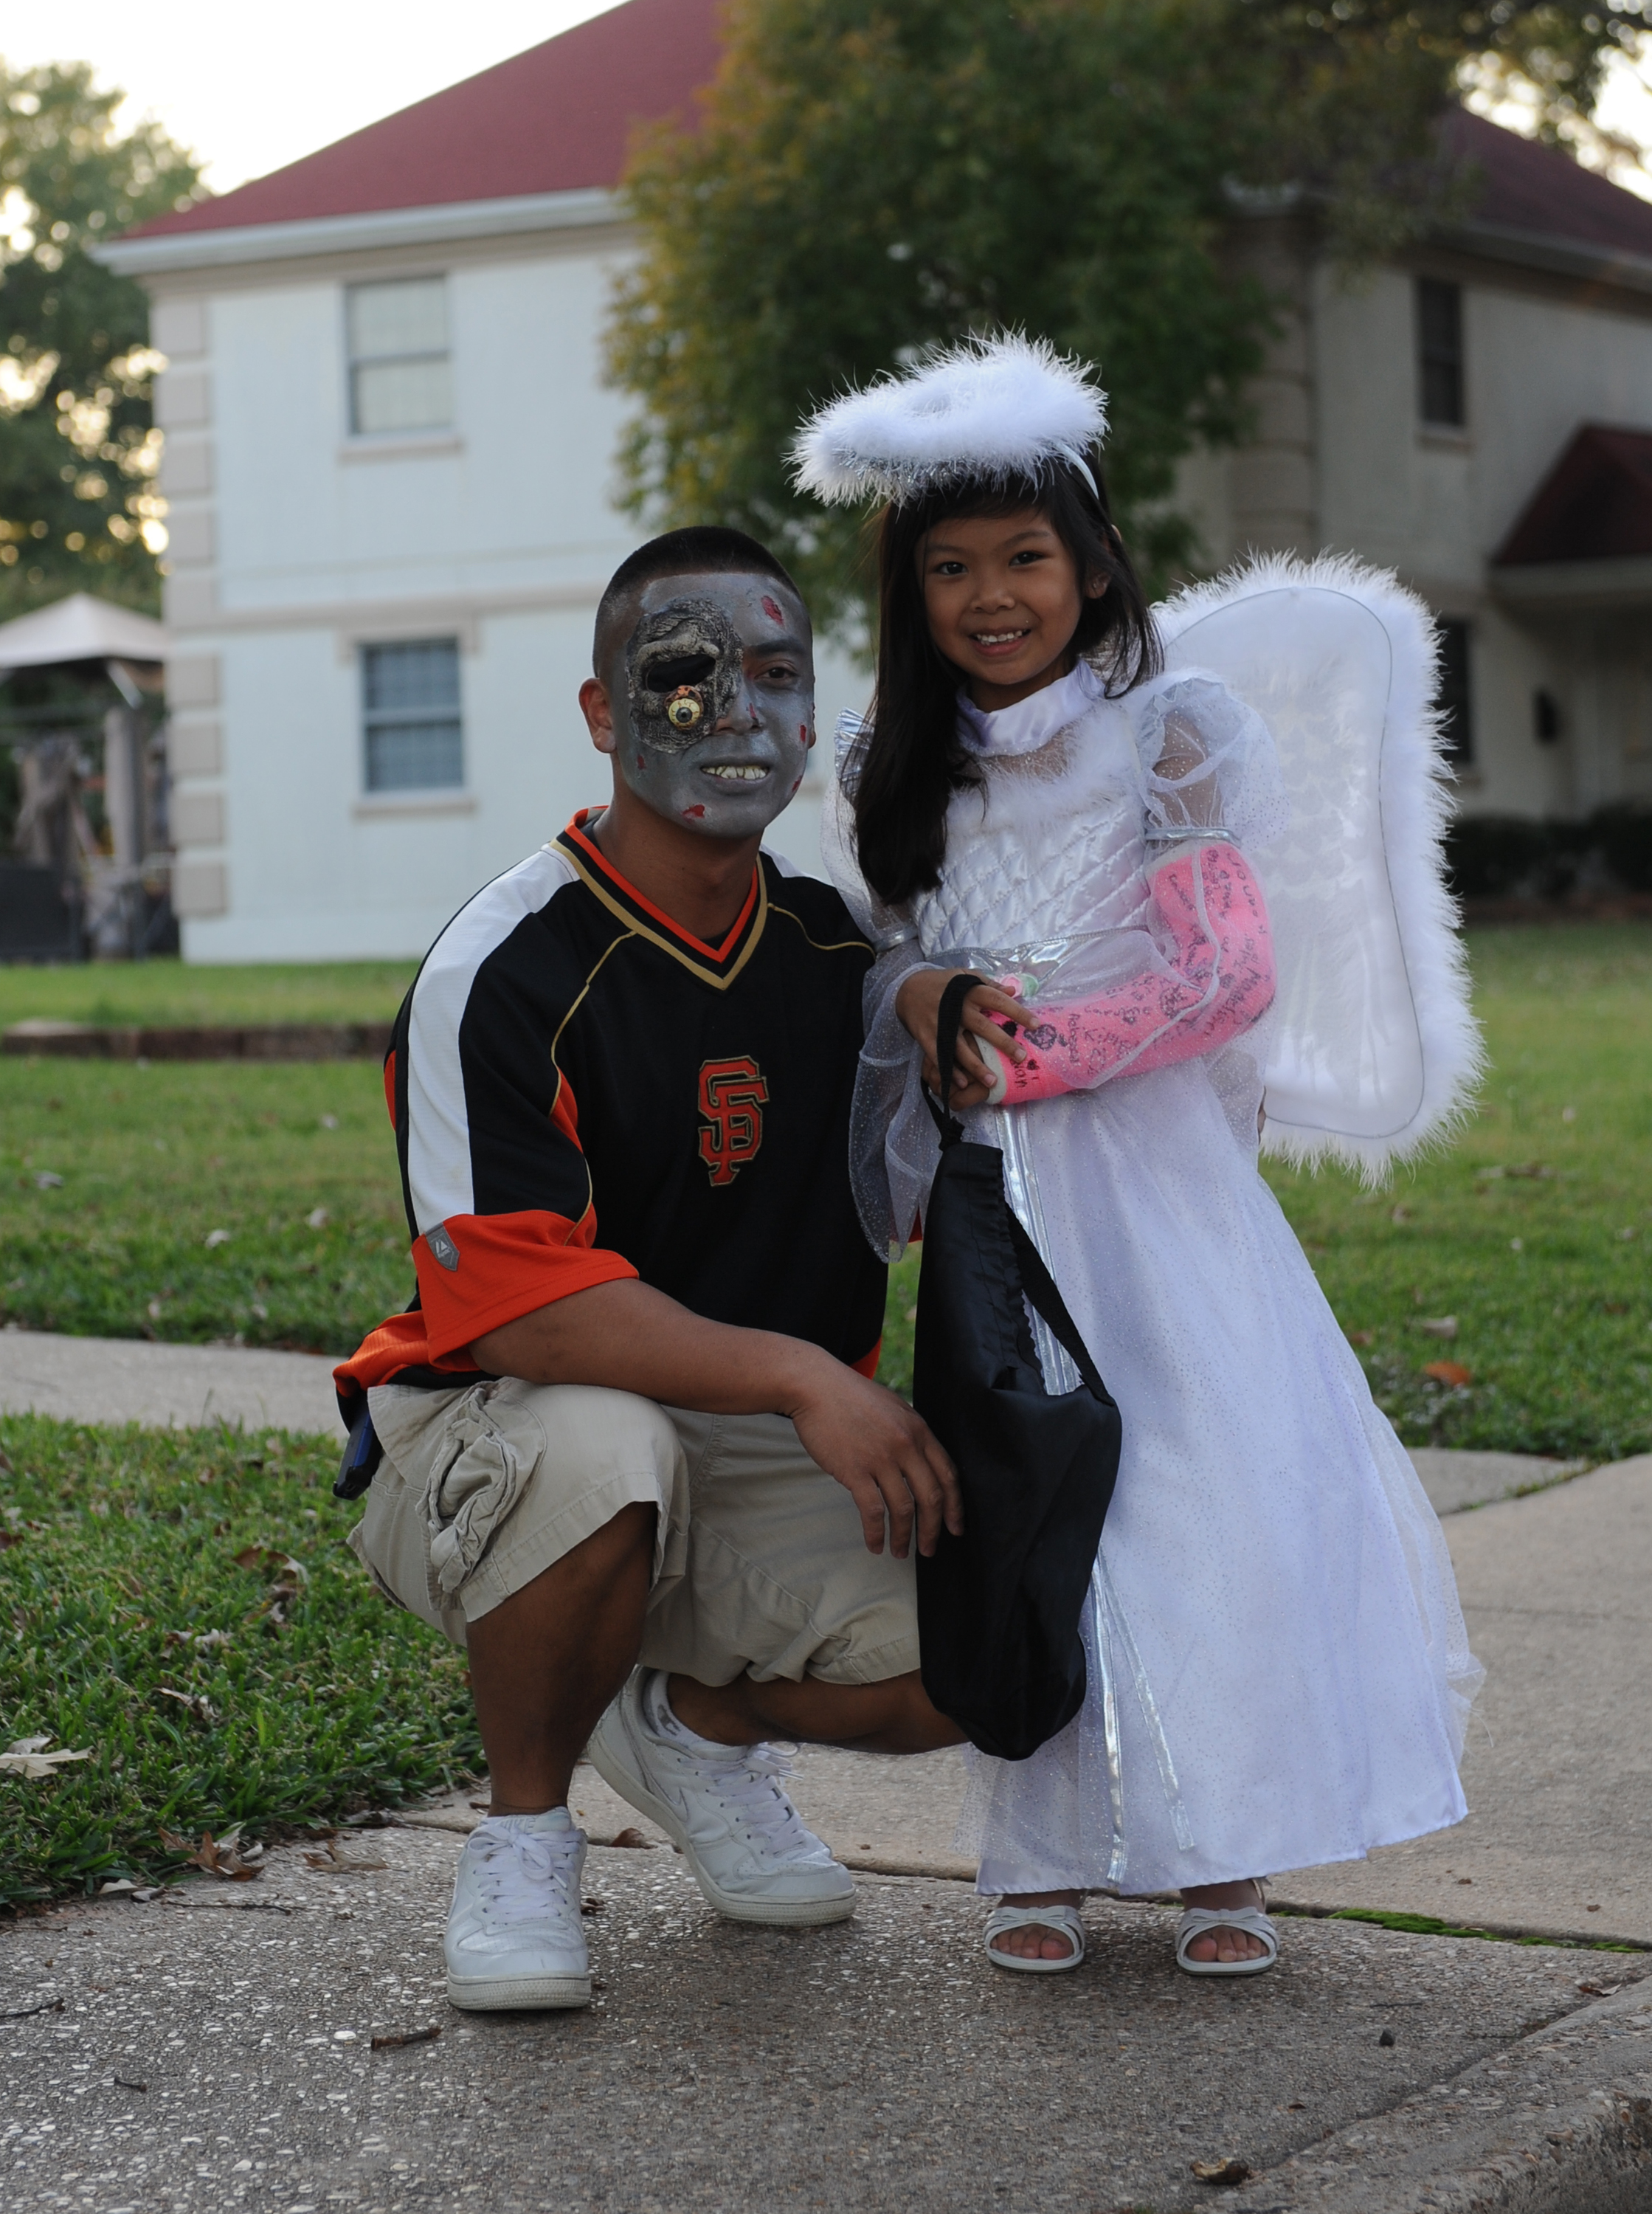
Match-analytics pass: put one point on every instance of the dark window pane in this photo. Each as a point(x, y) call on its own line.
point(1456, 703)
point(409, 697)
point(414, 757)
point(422, 674)
point(1440, 351)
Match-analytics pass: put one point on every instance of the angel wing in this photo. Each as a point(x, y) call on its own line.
point(1373, 1049)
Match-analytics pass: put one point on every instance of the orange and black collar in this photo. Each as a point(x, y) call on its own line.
point(717, 965)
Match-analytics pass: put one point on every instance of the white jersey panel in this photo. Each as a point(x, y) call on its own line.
point(438, 1127)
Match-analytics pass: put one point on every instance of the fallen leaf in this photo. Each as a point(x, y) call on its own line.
point(48, 1180)
point(1450, 1372)
point(404, 2037)
point(216, 1237)
point(209, 1638)
point(26, 1758)
point(121, 1884)
point(23, 2014)
point(6, 1468)
point(1534, 1169)
point(8, 1538)
point(1437, 1325)
point(317, 1218)
point(198, 1704)
point(128, 2083)
point(1599, 1991)
point(632, 1841)
point(1361, 1337)
point(215, 1857)
point(1231, 2170)
point(332, 1858)
point(589, 1906)
point(1400, 1215)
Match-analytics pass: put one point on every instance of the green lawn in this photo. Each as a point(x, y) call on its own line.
point(1531, 1229)
point(276, 1689)
point(295, 1161)
point(166, 993)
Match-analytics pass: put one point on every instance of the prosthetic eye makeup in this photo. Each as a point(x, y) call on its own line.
point(684, 710)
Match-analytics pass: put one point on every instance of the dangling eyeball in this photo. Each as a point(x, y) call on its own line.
point(684, 710)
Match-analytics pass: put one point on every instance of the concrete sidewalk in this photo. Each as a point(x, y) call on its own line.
point(209, 2049)
point(125, 1380)
point(212, 2050)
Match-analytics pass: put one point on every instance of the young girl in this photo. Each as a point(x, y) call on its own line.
point(1278, 1674)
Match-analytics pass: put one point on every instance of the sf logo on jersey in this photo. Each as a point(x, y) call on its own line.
point(732, 1097)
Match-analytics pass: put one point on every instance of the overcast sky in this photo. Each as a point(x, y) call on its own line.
point(250, 87)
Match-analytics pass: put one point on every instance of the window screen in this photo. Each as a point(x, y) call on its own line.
point(1455, 701)
point(400, 377)
point(1440, 351)
point(414, 740)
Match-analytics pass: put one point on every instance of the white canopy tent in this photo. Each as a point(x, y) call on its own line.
point(80, 628)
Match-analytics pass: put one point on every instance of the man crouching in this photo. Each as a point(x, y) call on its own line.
point(630, 1418)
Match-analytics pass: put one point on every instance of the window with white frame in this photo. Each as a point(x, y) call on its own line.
point(400, 372)
point(412, 736)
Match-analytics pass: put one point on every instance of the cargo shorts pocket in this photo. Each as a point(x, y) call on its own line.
point(490, 1445)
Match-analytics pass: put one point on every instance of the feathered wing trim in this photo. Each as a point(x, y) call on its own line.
point(1373, 1051)
point(988, 409)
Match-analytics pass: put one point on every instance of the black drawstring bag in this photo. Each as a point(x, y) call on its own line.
point(998, 1609)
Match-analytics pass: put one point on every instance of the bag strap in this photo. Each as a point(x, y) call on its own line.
point(947, 1024)
point(1044, 1296)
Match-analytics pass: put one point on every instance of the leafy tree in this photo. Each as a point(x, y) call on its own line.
point(867, 177)
point(77, 450)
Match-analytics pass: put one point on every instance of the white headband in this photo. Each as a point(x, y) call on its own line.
point(990, 409)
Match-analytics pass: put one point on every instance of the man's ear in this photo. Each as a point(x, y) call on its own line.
point(598, 711)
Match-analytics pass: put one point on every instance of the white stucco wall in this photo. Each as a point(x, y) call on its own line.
point(296, 544)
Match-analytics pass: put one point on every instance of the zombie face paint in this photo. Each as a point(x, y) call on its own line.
point(715, 716)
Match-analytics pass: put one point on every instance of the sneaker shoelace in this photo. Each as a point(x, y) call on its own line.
point(749, 1787)
point(513, 1872)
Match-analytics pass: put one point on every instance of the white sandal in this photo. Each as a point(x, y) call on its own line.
point(1064, 1920)
point(1198, 1921)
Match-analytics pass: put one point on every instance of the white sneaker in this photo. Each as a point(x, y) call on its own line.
point(513, 1933)
point(723, 1806)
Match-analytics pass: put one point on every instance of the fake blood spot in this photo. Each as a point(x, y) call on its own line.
point(694, 812)
point(771, 609)
point(640, 763)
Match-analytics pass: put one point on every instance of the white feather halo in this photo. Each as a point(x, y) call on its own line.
point(990, 408)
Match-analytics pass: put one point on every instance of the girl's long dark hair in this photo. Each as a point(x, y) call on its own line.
point(913, 762)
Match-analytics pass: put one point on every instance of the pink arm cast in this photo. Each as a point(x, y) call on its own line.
point(1221, 981)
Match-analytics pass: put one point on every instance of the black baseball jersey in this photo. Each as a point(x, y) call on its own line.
point(582, 1091)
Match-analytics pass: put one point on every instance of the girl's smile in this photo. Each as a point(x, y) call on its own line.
point(1003, 597)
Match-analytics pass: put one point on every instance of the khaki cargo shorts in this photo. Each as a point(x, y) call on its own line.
point(759, 1565)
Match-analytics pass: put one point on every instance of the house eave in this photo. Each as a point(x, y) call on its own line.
point(1597, 265)
point(1563, 587)
point(177, 252)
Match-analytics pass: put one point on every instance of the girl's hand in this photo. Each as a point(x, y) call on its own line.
point(918, 1005)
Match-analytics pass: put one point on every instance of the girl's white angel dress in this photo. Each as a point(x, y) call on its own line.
point(1279, 1674)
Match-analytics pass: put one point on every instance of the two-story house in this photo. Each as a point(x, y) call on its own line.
point(390, 465)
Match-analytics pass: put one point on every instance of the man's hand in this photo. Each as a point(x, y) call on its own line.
point(918, 1005)
point(886, 1457)
point(630, 1337)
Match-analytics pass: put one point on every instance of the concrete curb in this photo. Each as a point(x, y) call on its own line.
point(1560, 2123)
point(198, 1041)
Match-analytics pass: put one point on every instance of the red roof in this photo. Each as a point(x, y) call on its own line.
point(560, 116)
point(1545, 194)
point(553, 120)
point(1595, 503)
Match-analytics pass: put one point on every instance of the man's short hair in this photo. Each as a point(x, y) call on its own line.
point(701, 547)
